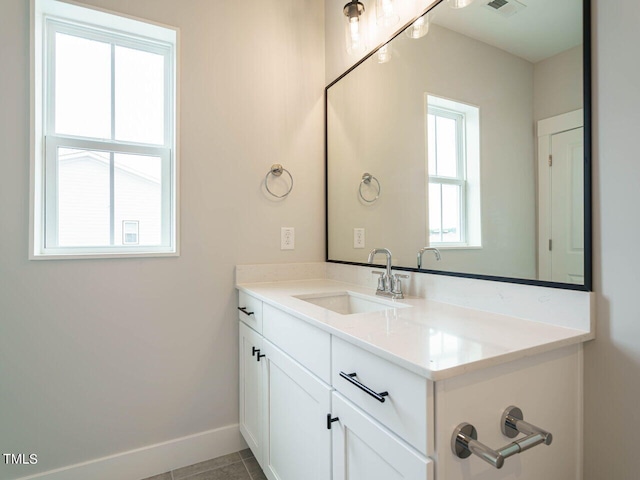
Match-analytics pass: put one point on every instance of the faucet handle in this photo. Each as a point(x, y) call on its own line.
point(381, 279)
point(396, 284)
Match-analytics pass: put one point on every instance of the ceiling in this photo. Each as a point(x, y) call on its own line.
point(541, 30)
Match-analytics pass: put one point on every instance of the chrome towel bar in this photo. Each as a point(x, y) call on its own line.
point(464, 440)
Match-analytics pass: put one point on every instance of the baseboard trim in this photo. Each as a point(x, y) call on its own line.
point(154, 459)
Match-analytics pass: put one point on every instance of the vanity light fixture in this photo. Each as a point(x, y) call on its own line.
point(386, 14)
point(384, 53)
point(354, 28)
point(419, 28)
point(459, 3)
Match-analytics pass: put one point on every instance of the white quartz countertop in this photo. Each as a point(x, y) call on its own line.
point(433, 339)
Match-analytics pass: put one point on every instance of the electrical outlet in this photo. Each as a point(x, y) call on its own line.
point(287, 238)
point(358, 238)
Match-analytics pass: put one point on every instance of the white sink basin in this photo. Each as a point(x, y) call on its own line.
point(348, 303)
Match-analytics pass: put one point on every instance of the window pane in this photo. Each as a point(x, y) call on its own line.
point(139, 95)
point(451, 213)
point(446, 147)
point(431, 142)
point(435, 209)
point(137, 192)
point(82, 87)
point(83, 198)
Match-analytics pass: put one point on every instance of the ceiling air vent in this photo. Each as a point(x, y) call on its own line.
point(505, 8)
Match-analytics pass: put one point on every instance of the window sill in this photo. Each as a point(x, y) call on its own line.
point(458, 247)
point(101, 256)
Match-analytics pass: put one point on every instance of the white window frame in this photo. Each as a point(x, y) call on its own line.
point(461, 169)
point(51, 17)
point(467, 117)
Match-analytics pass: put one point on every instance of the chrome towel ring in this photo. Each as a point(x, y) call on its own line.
point(276, 170)
point(366, 180)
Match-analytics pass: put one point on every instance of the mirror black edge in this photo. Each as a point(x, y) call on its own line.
point(588, 203)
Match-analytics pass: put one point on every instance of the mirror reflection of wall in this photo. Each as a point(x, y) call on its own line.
point(448, 125)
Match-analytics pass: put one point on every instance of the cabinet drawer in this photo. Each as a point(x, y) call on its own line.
point(251, 312)
point(307, 344)
point(407, 409)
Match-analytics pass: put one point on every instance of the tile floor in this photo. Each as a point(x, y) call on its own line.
point(235, 466)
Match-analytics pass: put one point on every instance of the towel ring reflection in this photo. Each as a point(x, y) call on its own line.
point(366, 180)
point(276, 170)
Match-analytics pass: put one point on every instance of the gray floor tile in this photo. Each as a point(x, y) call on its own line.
point(258, 476)
point(246, 453)
point(162, 476)
point(252, 465)
point(206, 466)
point(235, 471)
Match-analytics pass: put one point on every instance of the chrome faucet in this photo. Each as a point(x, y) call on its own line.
point(389, 284)
point(424, 249)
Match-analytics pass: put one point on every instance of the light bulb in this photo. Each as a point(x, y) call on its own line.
point(419, 28)
point(386, 14)
point(354, 28)
point(460, 3)
point(384, 53)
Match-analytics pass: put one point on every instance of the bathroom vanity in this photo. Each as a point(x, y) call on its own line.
point(337, 383)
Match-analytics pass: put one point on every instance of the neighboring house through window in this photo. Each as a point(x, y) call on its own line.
point(104, 148)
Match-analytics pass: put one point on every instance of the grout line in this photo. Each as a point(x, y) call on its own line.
point(247, 469)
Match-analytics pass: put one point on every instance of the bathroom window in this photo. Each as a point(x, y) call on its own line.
point(104, 153)
point(453, 172)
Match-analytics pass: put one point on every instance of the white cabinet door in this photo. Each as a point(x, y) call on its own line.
point(297, 442)
point(251, 396)
point(363, 449)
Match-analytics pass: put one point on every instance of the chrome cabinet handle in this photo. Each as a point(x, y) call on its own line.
point(349, 377)
point(464, 440)
point(244, 310)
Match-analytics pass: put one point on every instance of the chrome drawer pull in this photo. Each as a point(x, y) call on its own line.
point(464, 440)
point(350, 378)
point(244, 310)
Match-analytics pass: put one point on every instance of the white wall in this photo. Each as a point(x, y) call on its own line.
point(555, 82)
point(102, 356)
point(612, 361)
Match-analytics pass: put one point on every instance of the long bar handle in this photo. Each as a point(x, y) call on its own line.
point(244, 310)
point(464, 441)
point(349, 377)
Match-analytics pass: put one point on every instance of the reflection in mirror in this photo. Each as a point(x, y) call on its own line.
point(472, 123)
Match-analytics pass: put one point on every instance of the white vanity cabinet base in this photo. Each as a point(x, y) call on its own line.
point(548, 389)
point(251, 396)
point(363, 449)
point(297, 441)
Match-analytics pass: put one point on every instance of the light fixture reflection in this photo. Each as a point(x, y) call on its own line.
point(419, 28)
point(459, 3)
point(354, 28)
point(384, 53)
point(386, 14)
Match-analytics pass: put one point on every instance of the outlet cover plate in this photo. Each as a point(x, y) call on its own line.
point(358, 238)
point(287, 238)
